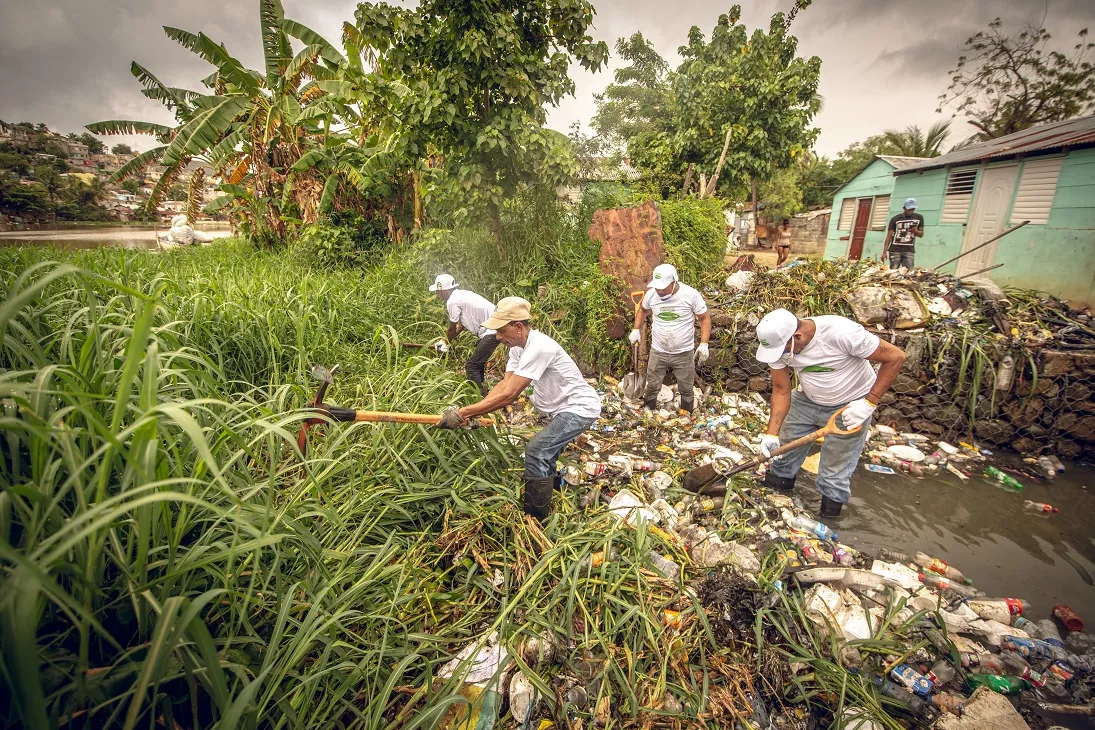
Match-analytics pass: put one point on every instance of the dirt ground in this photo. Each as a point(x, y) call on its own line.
point(765, 256)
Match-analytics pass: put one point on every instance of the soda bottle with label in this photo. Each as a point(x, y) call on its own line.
point(805, 524)
point(937, 566)
point(997, 683)
point(1000, 477)
point(1030, 506)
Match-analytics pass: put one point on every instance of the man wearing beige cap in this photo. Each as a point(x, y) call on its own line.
point(674, 308)
point(559, 391)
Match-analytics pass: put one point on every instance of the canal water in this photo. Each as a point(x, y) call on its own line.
point(97, 236)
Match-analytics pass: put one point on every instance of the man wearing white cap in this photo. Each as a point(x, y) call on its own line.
point(832, 357)
point(560, 392)
point(904, 229)
point(467, 311)
point(675, 308)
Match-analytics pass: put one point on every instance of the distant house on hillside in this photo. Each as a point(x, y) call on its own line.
point(77, 151)
point(859, 228)
point(13, 135)
point(1045, 175)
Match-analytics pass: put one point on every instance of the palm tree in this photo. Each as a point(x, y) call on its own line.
point(914, 142)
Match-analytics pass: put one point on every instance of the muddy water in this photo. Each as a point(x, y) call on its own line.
point(982, 530)
point(98, 236)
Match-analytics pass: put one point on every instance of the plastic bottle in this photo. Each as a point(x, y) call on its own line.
point(809, 554)
point(645, 465)
point(706, 505)
point(935, 565)
point(806, 524)
point(665, 566)
point(1057, 464)
point(912, 679)
point(997, 683)
point(989, 663)
point(1015, 666)
point(1028, 626)
point(942, 672)
point(1030, 506)
point(1005, 373)
point(895, 692)
point(1068, 617)
point(1029, 648)
point(937, 581)
point(1047, 632)
point(1048, 468)
point(597, 468)
point(841, 556)
point(1000, 477)
point(999, 609)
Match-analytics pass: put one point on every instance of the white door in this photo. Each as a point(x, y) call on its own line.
point(989, 217)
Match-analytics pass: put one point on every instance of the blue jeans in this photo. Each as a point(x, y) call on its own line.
point(543, 449)
point(839, 454)
point(901, 258)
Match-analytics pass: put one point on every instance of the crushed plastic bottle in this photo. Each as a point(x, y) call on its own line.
point(1048, 467)
point(1068, 617)
point(999, 683)
point(941, 673)
point(1047, 632)
point(1030, 506)
point(805, 524)
point(1030, 648)
point(998, 609)
point(665, 566)
point(1057, 464)
point(1001, 478)
point(937, 581)
point(988, 663)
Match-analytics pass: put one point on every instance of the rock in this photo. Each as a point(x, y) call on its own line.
point(906, 384)
point(1077, 425)
point(1024, 413)
point(750, 364)
point(1076, 391)
point(994, 430)
point(985, 710)
point(735, 385)
point(927, 427)
point(1025, 445)
point(907, 407)
point(948, 417)
point(759, 383)
point(887, 398)
point(1085, 407)
point(631, 246)
point(720, 318)
point(1057, 363)
point(1045, 387)
point(1037, 432)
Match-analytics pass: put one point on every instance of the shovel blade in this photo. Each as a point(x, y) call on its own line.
point(633, 386)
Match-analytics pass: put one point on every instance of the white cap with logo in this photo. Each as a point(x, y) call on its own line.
point(443, 282)
point(772, 334)
point(664, 275)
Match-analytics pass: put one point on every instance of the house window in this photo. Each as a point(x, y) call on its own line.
point(959, 193)
point(1037, 185)
point(847, 212)
point(878, 215)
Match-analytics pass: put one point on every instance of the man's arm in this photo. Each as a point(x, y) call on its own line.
point(781, 398)
point(641, 313)
point(507, 391)
point(919, 230)
point(705, 327)
point(892, 359)
point(889, 239)
point(453, 330)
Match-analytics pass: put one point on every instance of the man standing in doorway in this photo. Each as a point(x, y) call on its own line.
point(467, 311)
point(832, 357)
point(675, 307)
point(560, 392)
point(904, 229)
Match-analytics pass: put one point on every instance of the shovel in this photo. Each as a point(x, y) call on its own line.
point(634, 385)
point(347, 415)
point(702, 476)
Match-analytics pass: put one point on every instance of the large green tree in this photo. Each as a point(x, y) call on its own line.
point(1006, 81)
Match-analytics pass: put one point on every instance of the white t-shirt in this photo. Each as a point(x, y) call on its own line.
point(558, 385)
point(470, 310)
point(674, 319)
point(832, 368)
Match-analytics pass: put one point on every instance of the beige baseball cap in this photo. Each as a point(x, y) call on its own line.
point(510, 309)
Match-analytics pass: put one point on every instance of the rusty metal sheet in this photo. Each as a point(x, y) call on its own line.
point(631, 246)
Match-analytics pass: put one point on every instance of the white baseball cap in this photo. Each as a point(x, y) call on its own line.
point(664, 275)
point(772, 334)
point(443, 282)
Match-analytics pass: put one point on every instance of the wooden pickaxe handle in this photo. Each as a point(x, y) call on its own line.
point(700, 477)
point(394, 417)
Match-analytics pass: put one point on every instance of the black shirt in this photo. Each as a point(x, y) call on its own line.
point(903, 226)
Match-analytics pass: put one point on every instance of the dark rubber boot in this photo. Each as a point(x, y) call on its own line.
point(782, 484)
point(538, 496)
point(830, 507)
point(687, 405)
point(557, 480)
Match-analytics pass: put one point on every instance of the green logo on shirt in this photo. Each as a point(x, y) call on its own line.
point(668, 316)
point(818, 369)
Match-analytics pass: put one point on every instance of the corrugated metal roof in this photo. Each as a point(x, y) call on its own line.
point(900, 162)
point(1070, 133)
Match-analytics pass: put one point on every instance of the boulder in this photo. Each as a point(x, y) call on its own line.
point(1025, 413)
point(927, 428)
point(1077, 425)
point(1025, 445)
point(994, 430)
point(985, 710)
point(1069, 449)
point(1056, 362)
point(759, 383)
point(1076, 391)
point(631, 246)
point(906, 384)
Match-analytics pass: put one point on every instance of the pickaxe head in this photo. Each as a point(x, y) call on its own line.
point(325, 377)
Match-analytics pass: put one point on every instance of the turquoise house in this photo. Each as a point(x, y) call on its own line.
point(861, 209)
point(1044, 175)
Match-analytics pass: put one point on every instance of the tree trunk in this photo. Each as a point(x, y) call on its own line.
point(496, 228)
point(703, 184)
point(688, 179)
point(718, 168)
point(756, 215)
point(416, 180)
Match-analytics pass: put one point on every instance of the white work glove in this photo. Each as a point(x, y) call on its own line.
point(634, 337)
point(857, 412)
point(768, 444)
point(702, 353)
point(441, 346)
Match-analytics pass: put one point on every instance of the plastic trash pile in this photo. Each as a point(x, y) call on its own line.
point(754, 613)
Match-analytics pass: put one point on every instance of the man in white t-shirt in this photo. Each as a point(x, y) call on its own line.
point(467, 311)
point(832, 357)
point(559, 391)
point(675, 308)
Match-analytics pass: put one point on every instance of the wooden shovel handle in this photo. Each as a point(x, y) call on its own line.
point(830, 428)
point(392, 417)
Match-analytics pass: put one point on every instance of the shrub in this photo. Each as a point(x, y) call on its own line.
point(695, 237)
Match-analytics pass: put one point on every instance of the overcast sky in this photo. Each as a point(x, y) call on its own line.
point(884, 63)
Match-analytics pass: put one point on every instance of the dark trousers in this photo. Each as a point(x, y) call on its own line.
point(476, 366)
point(683, 367)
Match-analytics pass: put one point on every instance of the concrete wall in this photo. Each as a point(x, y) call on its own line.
point(809, 234)
point(1057, 257)
point(876, 179)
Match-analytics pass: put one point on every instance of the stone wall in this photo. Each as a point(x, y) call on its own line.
point(808, 233)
